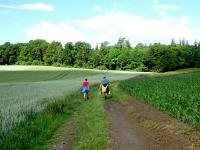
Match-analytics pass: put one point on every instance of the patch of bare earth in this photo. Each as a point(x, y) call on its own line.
point(138, 126)
point(64, 139)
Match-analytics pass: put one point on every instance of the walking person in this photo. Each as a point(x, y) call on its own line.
point(104, 86)
point(86, 89)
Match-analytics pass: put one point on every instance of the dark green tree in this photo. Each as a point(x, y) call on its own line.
point(69, 54)
point(54, 54)
point(83, 50)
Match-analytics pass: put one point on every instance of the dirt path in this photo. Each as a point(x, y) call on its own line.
point(138, 126)
point(65, 138)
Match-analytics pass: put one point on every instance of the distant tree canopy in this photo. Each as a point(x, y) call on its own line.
point(120, 56)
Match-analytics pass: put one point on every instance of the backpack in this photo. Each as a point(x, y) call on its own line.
point(103, 88)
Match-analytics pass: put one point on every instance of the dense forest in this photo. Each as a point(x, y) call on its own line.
point(120, 56)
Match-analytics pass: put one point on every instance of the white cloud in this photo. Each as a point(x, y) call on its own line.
point(114, 8)
point(38, 6)
point(54, 32)
point(31, 6)
point(163, 8)
point(97, 9)
point(114, 25)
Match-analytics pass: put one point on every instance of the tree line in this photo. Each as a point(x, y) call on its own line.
point(120, 56)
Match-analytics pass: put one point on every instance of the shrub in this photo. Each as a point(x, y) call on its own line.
point(37, 62)
point(57, 64)
point(102, 67)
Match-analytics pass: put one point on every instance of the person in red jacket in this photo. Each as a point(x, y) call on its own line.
point(86, 89)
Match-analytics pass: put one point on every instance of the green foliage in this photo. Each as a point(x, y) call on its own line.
point(163, 58)
point(22, 91)
point(102, 67)
point(92, 131)
point(94, 59)
point(34, 50)
point(69, 54)
point(54, 54)
point(196, 55)
point(82, 53)
point(39, 127)
point(124, 60)
point(25, 95)
point(179, 95)
point(141, 68)
point(20, 62)
point(120, 56)
point(57, 64)
point(9, 53)
point(123, 43)
point(37, 62)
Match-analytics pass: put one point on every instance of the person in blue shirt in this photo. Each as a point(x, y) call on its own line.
point(105, 82)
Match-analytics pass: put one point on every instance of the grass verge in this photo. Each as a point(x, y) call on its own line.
point(91, 133)
point(117, 94)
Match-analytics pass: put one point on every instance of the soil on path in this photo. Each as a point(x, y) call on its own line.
point(138, 126)
point(64, 140)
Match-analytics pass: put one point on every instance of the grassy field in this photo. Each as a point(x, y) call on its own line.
point(39, 128)
point(27, 90)
point(36, 101)
point(178, 94)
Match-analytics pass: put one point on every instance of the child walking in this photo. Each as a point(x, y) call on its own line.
point(86, 89)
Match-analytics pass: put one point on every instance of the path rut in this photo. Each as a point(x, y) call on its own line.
point(138, 126)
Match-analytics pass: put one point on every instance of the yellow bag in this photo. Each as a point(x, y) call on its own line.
point(103, 89)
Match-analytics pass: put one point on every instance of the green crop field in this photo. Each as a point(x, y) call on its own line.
point(28, 89)
point(178, 94)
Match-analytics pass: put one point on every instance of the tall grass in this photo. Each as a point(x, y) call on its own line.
point(39, 127)
point(26, 93)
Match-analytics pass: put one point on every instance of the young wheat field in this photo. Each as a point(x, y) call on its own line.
point(26, 90)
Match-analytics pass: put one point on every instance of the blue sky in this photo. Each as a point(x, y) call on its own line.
point(94, 21)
